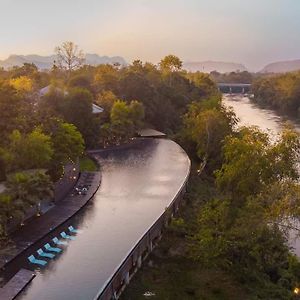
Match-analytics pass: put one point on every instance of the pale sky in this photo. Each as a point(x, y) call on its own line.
point(254, 32)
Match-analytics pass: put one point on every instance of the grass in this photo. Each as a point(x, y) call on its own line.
point(170, 274)
point(87, 164)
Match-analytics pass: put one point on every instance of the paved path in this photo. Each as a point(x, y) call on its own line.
point(38, 228)
point(16, 285)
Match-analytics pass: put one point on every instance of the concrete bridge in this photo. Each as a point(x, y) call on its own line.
point(234, 88)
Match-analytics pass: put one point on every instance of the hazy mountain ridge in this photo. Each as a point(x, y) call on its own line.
point(46, 62)
point(209, 66)
point(282, 66)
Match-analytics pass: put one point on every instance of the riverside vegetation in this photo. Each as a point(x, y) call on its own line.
point(42, 129)
point(280, 92)
point(230, 240)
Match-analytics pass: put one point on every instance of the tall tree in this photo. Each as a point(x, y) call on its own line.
point(252, 162)
point(12, 107)
point(171, 63)
point(69, 56)
point(68, 145)
point(77, 108)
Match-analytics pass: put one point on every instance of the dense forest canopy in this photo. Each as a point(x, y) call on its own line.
point(239, 230)
point(47, 118)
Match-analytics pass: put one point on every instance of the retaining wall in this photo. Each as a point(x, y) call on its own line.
point(122, 276)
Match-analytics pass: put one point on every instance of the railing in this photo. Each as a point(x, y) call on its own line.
point(235, 88)
point(126, 270)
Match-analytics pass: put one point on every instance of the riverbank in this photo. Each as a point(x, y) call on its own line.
point(39, 227)
point(138, 183)
point(170, 273)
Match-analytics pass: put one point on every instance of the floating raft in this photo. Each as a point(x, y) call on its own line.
point(13, 288)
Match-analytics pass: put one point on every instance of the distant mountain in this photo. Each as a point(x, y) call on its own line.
point(46, 62)
point(282, 67)
point(209, 66)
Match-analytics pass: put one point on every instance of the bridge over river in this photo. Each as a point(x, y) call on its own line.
point(138, 183)
point(234, 88)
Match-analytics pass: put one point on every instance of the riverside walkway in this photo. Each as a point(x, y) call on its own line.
point(39, 227)
point(16, 285)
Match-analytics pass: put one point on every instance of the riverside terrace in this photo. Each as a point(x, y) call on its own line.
point(138, 183)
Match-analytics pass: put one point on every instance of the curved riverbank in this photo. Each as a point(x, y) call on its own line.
point(121, 277)
point(35, 230)
point(268, 120)
point(138, 183)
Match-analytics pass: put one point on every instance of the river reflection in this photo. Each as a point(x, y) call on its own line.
point(250, 114)
point(137, 184)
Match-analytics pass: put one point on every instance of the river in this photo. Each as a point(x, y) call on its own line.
point(250, 114)
point(138, 183)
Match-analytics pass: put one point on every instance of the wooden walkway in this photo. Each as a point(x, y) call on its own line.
point(12, 289)
point(36, 229)
point(150, 133)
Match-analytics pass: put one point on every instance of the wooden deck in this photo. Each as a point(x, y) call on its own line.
point(12, 289)
point(151, 133)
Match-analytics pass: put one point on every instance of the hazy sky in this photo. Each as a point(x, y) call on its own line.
point(254, 32)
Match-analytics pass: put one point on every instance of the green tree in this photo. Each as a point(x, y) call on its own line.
point(12, 107)
point(206, 126)
point(171, 63)
point(6, 212)
point(29, 188)
point(203, 82)
point(28, 151)
point(80, 80)
point(137, 114)
point(106, 78)
point(244, 244)
point(106, 100)
point(280, 92)
point(121, 123)
point(251, 152)
point(28, 69)
point(245, 229)
point(77, 109)
point(68, 145)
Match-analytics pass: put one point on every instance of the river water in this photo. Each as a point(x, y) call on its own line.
point(250, 114)
point(138, 183)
